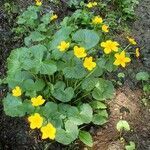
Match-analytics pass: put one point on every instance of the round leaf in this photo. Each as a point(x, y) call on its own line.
point(86, 38)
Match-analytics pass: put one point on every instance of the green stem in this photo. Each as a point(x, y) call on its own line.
point(81, 97)
point(52, 99)
point(53, 78)
point(49, 77)
point(127, 46)
point(84, 78)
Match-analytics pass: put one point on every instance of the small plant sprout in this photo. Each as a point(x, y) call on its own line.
point(123, 125)
point(131, 146)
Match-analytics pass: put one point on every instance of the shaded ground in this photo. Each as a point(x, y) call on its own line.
point(15, 133)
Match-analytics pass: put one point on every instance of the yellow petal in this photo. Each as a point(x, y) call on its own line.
point(122, 54)
point(127, 59)
point(117, 55)
point(107, 50)
point(117, 62)
point(123, 64)
point(103, 44)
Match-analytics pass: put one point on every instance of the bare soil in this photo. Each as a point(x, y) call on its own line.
point(127, 106)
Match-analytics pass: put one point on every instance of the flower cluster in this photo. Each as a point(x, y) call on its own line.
point(110, 46)
point(91, 4)
point(48, 131)
point(97, 20)
point(79, 52)
point(36, 120)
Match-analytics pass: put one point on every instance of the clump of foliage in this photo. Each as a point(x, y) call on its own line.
point(121, 126)
point(59, 78)
point(144, 77)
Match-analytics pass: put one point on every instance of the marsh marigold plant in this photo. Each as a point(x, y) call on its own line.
point(58, 78)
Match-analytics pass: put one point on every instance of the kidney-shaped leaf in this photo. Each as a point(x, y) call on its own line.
point(61, 93)
point(86, 38)
point(12, 106)
point(68, 135)
point(104, 90)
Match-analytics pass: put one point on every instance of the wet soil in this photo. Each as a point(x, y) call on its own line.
point(15, 133)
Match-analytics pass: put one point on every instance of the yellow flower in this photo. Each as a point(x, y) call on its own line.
point(89, 64)
point(37, 101)
point(48, 131)
point(53, 17)
point(97, 20)
point(38, 2)
point(137, 52)
point(36, 121)
point(89, 5)
point(109, 46)
point(17, 91)
point(79, 52)
point(121, 59)
point(94, 3)
point(105, 28)
point(131, 40)
point(63, 46)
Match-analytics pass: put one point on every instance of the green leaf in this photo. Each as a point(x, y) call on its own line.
point(68, 135)
point(104, 90)
point(30, 85)
point(106, 63)
point(46, 18)
point(74, 115)
point(100, 118)
point(48, 67)
point(27, 107)
point(121, 75)
point(14, 60)
point(86, 113)
point(18, 78)
point(34, 37)
point(131, 146)
point(86, 138)
point(88, 84)
point(12, 106)
point(76, 72)
point(61, 93)
point(60, 35)
point(86, 38)
point(56, 54)
point(142, 76)
point(42, 27)
point(123, 124)
point(32, 60)
point(28, 17)
point(49, 109)
point(98, 105)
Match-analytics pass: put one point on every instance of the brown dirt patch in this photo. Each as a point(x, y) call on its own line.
point(126, 105)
